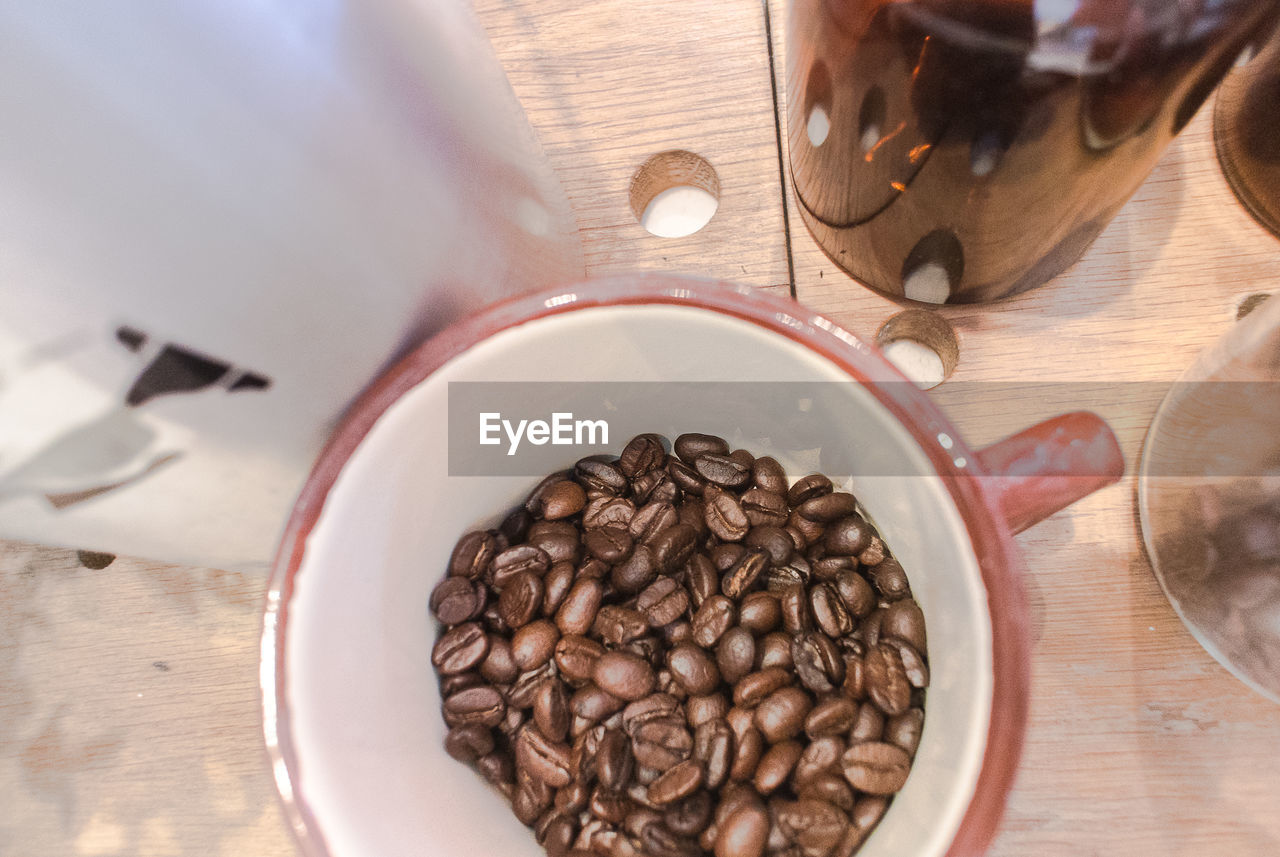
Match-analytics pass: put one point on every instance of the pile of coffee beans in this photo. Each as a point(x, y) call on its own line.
point(677, 651)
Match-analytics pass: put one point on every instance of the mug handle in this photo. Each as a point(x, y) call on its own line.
point(1047, 467)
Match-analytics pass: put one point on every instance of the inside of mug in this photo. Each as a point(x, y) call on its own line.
point(361, 702)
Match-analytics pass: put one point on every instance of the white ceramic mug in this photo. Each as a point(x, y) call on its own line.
point(351, 702)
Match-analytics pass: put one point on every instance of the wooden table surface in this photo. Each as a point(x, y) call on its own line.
point(129, 717)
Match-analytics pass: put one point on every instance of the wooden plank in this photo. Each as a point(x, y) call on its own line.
point(1139, 742)
point(609, 84)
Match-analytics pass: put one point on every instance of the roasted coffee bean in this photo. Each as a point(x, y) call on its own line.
point(451, 684)
point(609, 544)
point(606, 511)
point(854, 686)
point(651, 519)
point(662, 743)
point(563, 500)
point(829, 611)
point(593, 704)
point(685, 477)
point(774, 650)
point(701, 708)
point(755, 687)
point(688, 816)
point(624, 675)
point(657, 840)
point(776, 766)
point(796, 618)
point(689, 446)
point(774, 540)
point(517, 559)
point(768, 475)
point(677, 783)
point(521, 599)
point(663, 601)
point(807, 532)
point(576, 657)
point(876, 767)
point(713, 746)
point(821, 756)
point(551, 709)
point(608, 806)
point(497, 768)
point(874, 553)
point(818, 662)
point(525, 687)
point(832, 788)
point(472, 555)
point(643, 453)
point(559, 540)
point(744, 833)
point(475, 706)
point(913, 665)
point(764, 508)
point(904, 620)
point(655, 486)
point(702, 579)
point(533, 502)
point(693, 512)
point(724, 516)
point(499, 667)
point(748, 748)
point(904, 730)
point(694, 669)
point(543, 758)
point(868, 810)
point(578, 612)
point(460, 649)
point(759, 612)
point(457, 599)
point(735, 654)
point(673, 547)
point(781, 715)
point(833, 715)
point(828, 507)
point(828, 568)
point(779, 579)
point(557, 834)
point(724, 556)
point(891, 580)
point(808, 487)
point(600, 474)
point(614, 763)
point(870, 724)
point(869, 628)
point(716, 615)
point(515, 526)
point(636, 572)
point(722, 470)
point(848, 536)
point(815, 825)
point(617, 625)
point(659, 706)
point(744, 573)
point(534, 644)
point(856, 593)
point(468, 743)
point(886, 679)
point(532, 798)
point(556, 585)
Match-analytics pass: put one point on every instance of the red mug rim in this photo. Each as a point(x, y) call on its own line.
point(998, 560)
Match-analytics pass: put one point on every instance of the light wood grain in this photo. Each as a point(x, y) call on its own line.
point(1139, 743)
